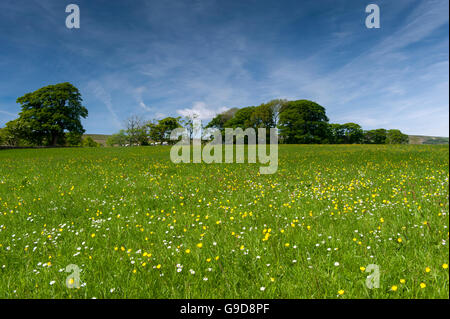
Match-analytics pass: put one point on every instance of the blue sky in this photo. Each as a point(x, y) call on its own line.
point(173, 57)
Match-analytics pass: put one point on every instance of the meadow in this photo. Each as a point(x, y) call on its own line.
point(139, 226)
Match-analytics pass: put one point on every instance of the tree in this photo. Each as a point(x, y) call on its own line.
point(219, 120)
point(262, 117)
point(136, 131)
point(303, 122)
point(50, 112)
point(241, 118)
point(188, 123)
point(89, 142)
point(15, 134)
point(377, 136)
point(119, 139)
point(166, 126)
point(396, 137)
point(74, 139)
point(349, 133)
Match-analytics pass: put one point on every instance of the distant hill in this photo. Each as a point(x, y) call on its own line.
point(99, 138)
point(419, 139)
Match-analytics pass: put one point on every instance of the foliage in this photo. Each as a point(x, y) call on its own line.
point(349, 133)
point(396, 137)
point(377, 136)
point(119, 139)
point(50, 112)
point(303, 122)
point(89, 142)
point(74, 139)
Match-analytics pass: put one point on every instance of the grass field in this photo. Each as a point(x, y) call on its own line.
point(139, 226)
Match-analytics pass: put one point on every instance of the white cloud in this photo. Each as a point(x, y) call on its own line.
point(202, 111)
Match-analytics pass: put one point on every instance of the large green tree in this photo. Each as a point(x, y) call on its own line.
point(48, 113)
point(303, 122)
point(241, 118)
point(219, 120)
point(160, 132)
point(377, 136)
point(349, 133)
point(396, 137)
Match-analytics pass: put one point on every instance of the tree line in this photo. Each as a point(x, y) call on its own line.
point(51, 116)
point(298, 122)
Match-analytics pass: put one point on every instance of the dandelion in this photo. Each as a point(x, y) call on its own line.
point(188, 251)
point(394, 288)
point(428, 269)
point(422, 285)
point(362, 268)
point(402, 281)
point(199, 245)
point(445, 266)
point(341, 292)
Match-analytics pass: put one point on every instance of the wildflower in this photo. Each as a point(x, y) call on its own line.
point(262, 288)
point(422, 285)
point(428, 269)
point(341, 292)
point(159, 266)
point(362, 268)
point(199, 245)
point(445, 266)
point(402, 281)
point(188, 251)
point(394, 288)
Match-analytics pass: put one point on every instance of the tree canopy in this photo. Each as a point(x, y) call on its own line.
point(48, 113)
